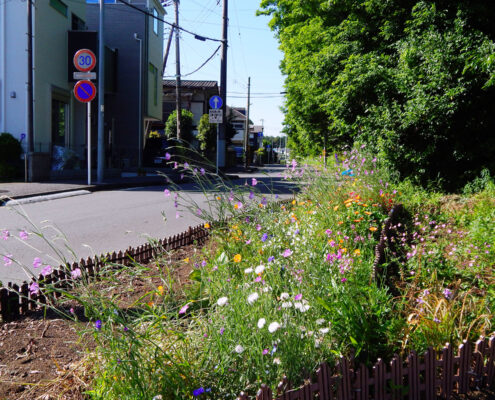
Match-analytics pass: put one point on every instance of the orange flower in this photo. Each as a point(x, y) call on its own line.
point(340, 222)
point(207, 225)
point(237, 258)
point(373, 228)
point(367, 212)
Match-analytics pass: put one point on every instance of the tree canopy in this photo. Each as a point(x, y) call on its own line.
point(414, 80)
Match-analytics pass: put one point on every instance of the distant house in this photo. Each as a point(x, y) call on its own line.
point(195, 96)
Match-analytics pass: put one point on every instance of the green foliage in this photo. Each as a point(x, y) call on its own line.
point(186, 124)
point(207, 135)
point(10, 153)
point(415, 79)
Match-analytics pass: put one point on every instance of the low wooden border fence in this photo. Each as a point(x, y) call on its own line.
point(435, 375)
point(17, 300)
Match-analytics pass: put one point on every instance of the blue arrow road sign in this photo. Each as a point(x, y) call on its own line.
point(216, 102)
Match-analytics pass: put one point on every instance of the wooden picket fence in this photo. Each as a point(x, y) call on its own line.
point(436, 375)
point(17, 300)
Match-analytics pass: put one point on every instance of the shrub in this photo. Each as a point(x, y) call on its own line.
point(186, 125)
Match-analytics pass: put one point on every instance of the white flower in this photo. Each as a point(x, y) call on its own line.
point(284, 296)
point(287, 304)
point(274, 326)
point(239, 349)
point(259, 269)
point(320, 321)
point(276, 360)
point(222, 301)
point(252, 297)
point(261, 323)
point(248, 270)
point(301, 306)
point(267, 289)
point(324, 330)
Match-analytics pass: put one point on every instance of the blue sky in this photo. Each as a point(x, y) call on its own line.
point(253, 52)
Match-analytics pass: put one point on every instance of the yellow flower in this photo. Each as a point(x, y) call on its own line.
point(186, 260)
point(160, 290)
point(207, 225)
point(343, 250)
point(373, 228)
point(335, 208)
point(293, 202)
point(357, 252)
point(237, 258)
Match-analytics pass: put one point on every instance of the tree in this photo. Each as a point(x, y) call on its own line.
point(186, 124)
point(415, 79)
point(207, 135)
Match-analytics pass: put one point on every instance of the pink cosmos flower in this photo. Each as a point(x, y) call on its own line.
point(176, 165)
point(183, 309)
point(76, 273)
point(37, 262)
point(23, 235)
point(166, 192)
point(287, 253)
point(7, 260)
point(34, 288)
point(5, 234)
point(254, 181)
point(47, 270)
point(167, 156)
point(265, 352)
point(298, 296)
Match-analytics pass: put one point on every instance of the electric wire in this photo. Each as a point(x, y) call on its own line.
point(196, 35)
point(201, 66)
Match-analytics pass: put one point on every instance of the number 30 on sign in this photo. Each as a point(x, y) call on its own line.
point(84, 60)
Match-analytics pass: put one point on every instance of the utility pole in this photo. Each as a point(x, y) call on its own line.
point(246, 134)
point(101, 95)
point(177, 71)
point(223, 84)
point(30, 134)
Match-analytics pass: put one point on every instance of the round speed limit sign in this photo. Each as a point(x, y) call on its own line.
point(84, 60)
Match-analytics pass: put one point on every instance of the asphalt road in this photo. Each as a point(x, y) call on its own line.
point(100, 222)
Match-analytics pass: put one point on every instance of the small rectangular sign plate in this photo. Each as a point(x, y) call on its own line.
point(216, 116)
point(85, 75)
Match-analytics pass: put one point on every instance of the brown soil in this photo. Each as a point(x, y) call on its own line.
point(42, 356)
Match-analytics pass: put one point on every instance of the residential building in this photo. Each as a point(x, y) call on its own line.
point(195, 96)
point(58, 117)
point(137, 39)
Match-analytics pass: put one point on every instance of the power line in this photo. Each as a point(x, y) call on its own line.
point(201, 66)
point(196, 36)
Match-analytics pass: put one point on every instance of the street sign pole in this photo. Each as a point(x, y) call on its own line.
point(89, 143)
point(218, 146)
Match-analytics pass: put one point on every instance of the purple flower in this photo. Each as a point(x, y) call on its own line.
point(76, 273)
point(37, 262)
point(199, 211)
point(254, 181)
point(265, 352)
point(198, 392)
point(264, 237)
point(23, 235)
point(222, 330)
point(186, 165)
point(298, 296)
point(176, 165)
point(183, 309)
point(202, 171)
point(167, 156)
point(47, 270)
point(34, 288)
point(287, 253)
point(251, 195)
point(5, 234)
point(258, 227)
point(271, 258)
point(7, 260)
point(98, 324)
point(166, 192)
point(264, 201)
point(248, 241)
point(447, 293)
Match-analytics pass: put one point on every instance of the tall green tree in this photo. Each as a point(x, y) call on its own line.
point(186, 124)
point(413, 79)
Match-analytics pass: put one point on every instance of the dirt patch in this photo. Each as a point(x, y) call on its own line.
point(42, 356)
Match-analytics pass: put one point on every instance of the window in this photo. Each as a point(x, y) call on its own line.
point(155, 21)
point(60, 6)
point(154, 82)
point(77, 23)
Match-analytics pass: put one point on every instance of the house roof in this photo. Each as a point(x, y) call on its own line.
point(171, 83)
